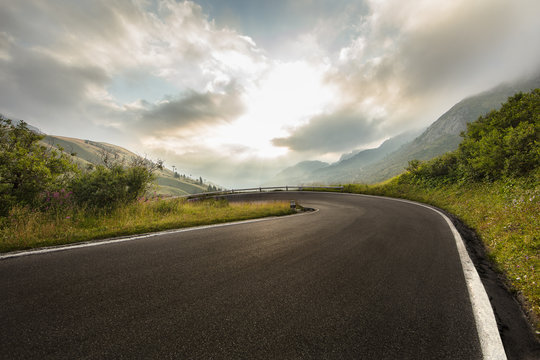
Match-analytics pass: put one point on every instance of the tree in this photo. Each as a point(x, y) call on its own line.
point(27, 168)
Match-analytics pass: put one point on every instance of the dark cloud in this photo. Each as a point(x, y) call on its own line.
point(334, 132)
point(34, 84)
point(475, 42)
point(191, 110)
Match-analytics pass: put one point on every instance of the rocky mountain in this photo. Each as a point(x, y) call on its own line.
point(392, 157)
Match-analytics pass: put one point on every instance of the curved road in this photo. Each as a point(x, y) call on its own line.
point(362, 278)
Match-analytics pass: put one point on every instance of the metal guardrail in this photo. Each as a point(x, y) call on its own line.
point(264, 189)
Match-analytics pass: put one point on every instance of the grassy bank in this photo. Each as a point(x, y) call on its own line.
point(25, 228)
point(504, 214)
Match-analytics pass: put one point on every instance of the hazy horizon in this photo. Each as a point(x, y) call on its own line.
point(235, 91)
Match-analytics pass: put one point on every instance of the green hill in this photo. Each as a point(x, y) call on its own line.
point(87, 152)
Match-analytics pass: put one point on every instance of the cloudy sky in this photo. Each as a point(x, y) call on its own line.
point(234, 91)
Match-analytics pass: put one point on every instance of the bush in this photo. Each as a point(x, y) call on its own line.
point(109, 187)
point(28, 169)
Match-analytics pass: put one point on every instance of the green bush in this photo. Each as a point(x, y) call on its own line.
point(28, 169)
point(109, 187)
point(35, 176)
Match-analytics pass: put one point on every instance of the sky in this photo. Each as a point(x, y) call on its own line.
point(235, 91)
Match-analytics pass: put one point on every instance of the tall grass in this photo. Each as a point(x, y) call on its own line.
point(504, 214)
point(26, 228)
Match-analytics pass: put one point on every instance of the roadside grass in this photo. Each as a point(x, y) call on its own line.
point(25, 228)
point(504, 214)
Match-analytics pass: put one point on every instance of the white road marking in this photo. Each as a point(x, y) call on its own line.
point(135, 237)
point(486, 325)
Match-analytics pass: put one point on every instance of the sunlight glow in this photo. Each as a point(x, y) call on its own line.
point(288, 96)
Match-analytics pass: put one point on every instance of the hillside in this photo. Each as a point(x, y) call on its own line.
point(348, 166)
point(391, 158)
point(298, 173)
point(86, 152)
point(444, 134)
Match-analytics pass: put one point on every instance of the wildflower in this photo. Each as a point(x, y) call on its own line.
point(68, 217)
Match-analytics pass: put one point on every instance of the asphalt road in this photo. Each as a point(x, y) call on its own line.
point(362, 278)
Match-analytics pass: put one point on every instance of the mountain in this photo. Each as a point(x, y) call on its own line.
point(351, 166)
point(87, 152)
point(392, 157)
point(298, 173)
point(444, 134)
point(307, 172)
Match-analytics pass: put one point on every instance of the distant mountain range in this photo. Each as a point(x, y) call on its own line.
point(392, 157)
point(86, 152)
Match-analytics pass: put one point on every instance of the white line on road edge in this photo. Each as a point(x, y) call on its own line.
point(486, 325)
point(137, 237)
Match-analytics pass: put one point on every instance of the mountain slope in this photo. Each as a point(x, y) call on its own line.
point(348, 166)
point(86, 152)
point(392, 157)
point(298, 173)
point(444, 134)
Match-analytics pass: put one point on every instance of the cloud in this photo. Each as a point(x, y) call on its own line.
point(327, 133)
point(36, 86)
point(329, 77)
point(416, 59)
point(84, 63)
point(191, 110)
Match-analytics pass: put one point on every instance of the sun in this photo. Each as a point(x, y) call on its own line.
point(285, 98)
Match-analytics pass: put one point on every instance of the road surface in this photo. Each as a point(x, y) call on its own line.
point(361, 278)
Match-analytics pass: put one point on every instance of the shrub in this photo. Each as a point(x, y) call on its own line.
point(109, 187)
point(28, 169)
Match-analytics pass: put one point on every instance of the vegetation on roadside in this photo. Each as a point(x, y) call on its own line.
point(492, 183)
point(46, 199)
point(29, 228)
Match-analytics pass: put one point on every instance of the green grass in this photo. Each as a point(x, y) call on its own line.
point(26, 228)
point(504, 214)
